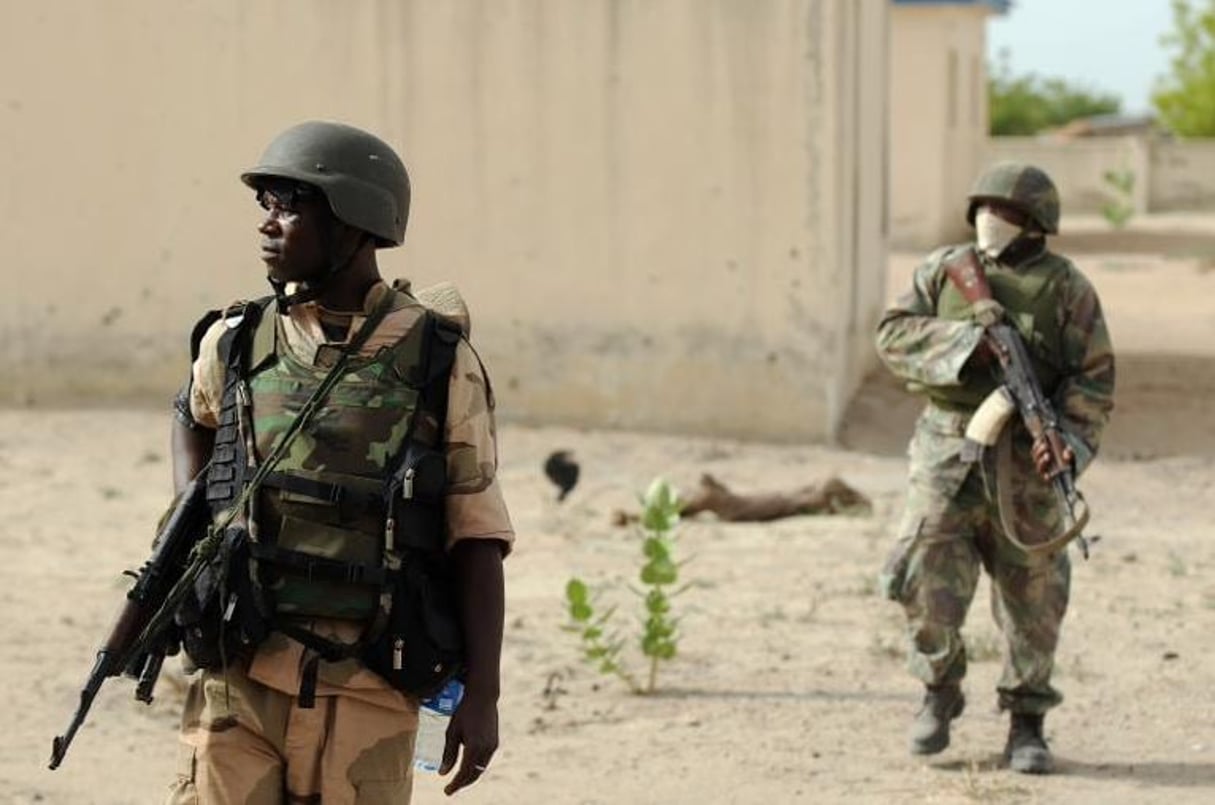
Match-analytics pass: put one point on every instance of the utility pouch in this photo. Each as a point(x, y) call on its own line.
point(221, 622)
point(422, 646)
point(417, 493)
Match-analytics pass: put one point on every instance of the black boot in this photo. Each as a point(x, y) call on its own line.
point(1027, 751)
point(930, 730)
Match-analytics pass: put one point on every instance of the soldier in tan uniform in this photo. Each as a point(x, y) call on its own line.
point(279, 722)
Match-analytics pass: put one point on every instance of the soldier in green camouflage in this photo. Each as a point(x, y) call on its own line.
point(933, 340)
point(283, 722)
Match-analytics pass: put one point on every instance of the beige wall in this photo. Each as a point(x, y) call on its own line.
point(938, 118)
point(1182, 175)
point(1077, 166)
point(664, 214)
point(1170, 175)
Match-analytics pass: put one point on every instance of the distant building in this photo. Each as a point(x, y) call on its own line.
point(938, 114)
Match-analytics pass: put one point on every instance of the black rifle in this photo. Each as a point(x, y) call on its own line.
point(127, 650)
point(1022, 389)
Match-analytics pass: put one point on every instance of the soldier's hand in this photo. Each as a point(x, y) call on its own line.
point(474, 726)
point(1046, 447)
point(987, 312)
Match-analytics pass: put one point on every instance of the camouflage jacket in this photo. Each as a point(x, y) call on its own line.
point(929, 352)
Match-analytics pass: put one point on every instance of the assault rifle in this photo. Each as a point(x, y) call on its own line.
point(127, 650)
point(1021, 393)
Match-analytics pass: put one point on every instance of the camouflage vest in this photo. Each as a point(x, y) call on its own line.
point(318, 523)
point(1030, 296)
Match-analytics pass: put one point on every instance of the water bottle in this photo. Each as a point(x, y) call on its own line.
point(434, 714)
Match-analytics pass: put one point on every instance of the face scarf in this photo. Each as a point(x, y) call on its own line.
point(993, 234)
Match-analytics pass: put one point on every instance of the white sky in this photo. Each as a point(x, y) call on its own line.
point(1107, 45)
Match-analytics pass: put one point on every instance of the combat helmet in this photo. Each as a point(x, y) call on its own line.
point(1023, 186)
point(363, 179)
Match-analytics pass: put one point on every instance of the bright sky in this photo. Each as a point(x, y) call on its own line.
point(1107, 45)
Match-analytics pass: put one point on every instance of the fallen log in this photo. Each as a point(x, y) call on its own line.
point(832, 496)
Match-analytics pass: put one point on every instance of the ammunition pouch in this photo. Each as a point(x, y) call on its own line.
point(219, 620)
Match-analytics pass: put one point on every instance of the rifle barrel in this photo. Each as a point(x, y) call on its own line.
point(60, 744)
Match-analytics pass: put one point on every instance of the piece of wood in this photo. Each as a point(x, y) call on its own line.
point(832, 496)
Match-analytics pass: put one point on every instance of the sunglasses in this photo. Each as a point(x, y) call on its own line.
point(285, 196)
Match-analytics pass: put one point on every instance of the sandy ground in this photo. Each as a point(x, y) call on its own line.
point(789, 686)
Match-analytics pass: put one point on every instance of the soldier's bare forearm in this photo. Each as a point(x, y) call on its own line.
point(482, 590)
point(190, 450)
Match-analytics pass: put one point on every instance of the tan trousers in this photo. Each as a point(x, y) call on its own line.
point(249, 744)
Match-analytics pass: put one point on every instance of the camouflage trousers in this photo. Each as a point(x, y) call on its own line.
point(933, 572)
point(249, 744)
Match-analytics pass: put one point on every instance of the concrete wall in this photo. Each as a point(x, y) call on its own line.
point(938, 114)
point(1170, 175)
point(1078, 166)
point(1182, 175)
point(664, 214)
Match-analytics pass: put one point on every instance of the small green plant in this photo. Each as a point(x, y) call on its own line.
point(659, 640)
point(1119, 210)
point(599, 649)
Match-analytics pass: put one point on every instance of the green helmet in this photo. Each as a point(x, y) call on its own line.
point(1023, 186)
point(361, 176)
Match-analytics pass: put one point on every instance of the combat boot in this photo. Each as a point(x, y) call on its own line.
point(930, 730)
point(1027, 751)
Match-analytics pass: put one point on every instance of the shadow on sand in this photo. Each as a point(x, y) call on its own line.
point(1170, 774)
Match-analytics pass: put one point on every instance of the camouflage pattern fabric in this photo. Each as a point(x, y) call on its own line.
point(473, 505)
point(950, 525)
point(245, 743)
point(356, 433)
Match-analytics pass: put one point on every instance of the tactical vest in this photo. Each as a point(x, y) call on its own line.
point(1030, 297)
point(359, 487)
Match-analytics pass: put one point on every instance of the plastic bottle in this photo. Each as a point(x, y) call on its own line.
point(434, 714)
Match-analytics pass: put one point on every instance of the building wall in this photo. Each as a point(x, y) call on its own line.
point(663, 214)
point(938, 118)
point(1169, 175)
point(1182, 175)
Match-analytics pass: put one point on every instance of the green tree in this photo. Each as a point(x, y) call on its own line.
point(1021, 105)
point(1185, 97)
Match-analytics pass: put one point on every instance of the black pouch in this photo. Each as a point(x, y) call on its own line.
point(422, 646)
point(219, 619)
point(419, 487)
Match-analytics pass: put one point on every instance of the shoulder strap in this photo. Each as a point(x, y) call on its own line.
point(229, 455)
point(442, 338)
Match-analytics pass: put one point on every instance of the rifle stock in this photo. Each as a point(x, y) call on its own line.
point(122, 651)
